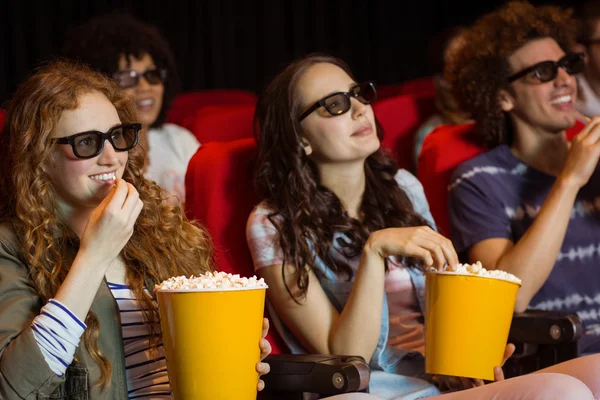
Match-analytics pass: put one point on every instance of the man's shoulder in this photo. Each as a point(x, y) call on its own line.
point(491, 163)
point(494, 157)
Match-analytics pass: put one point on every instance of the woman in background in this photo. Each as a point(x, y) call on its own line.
point(448, 112)
point(138, 56)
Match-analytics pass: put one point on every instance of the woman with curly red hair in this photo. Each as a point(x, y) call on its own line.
point(80, 227)
point(342, 237)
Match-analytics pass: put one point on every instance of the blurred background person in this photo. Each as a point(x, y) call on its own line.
point(448, 111)
point(138, 56)
point(588, 43)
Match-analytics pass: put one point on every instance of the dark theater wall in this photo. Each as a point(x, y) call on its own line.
point(241, 44)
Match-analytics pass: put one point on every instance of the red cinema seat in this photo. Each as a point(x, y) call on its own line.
point(220, 194)
point(2, 116)
point(185, 105)
point(418, 87)
point(444, 149)
point(223, 123)
point(400, 118)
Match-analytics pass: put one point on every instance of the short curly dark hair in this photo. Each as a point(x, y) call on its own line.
point(100, 42)
point(588, 14)
point(479, 70)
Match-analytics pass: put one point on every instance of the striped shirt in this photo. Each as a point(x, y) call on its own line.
point(146, 369)
point(58, 331)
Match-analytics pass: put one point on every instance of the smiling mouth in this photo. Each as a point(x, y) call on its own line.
point(145, 103)
point(363, 131)
point(111, 177)
point(566, 99)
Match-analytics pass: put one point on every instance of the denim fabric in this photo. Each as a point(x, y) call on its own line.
point(396, 373)
point(74, 387)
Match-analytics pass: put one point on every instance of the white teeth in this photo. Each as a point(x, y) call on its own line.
point(104, 177)
point(561, 99)
point(146, 102)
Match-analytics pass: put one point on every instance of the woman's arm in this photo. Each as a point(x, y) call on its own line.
point(534, 255)
point(316, 322)
point(318, 325)
point(23, 369)
point(108, 230)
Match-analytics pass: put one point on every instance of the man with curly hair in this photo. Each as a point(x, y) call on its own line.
point(531, 204)
point(588, 42)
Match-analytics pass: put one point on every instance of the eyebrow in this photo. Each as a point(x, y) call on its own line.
point(91, 130)
point(96, 130)
point(351, 85)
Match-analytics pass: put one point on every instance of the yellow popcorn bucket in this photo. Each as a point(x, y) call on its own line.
point(211, 339)
point(467, 320)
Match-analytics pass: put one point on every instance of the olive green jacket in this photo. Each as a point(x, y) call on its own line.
point(24, 373)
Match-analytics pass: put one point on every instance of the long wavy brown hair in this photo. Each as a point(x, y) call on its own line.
point(478, 71)
point(163, 244)
point(305, 213)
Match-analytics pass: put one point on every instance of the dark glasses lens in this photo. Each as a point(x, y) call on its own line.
point(339, 103)
point(546, 71)
point(127, 79)
point(153, 76)
point(573, 63)
point(87, 144)
point(90, 144)
point(124, 137)
point(365, 92)
point(336, 104)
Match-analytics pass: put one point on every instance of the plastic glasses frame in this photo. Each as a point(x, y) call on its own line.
point(103, 138)
point(569, 57)
point(353, 93)
point(162, 73)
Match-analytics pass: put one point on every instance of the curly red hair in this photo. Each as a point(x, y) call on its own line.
point(163, 244)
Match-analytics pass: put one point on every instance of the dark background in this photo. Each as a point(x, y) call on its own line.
point(242, 44)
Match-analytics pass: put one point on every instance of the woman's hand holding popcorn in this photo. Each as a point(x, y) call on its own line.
point(265, 349)
point(454, 383)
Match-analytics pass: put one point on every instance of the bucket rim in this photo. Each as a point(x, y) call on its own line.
point(451, 273)
point(210, 290)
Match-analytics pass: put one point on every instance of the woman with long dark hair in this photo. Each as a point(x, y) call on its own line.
point(342, 237)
